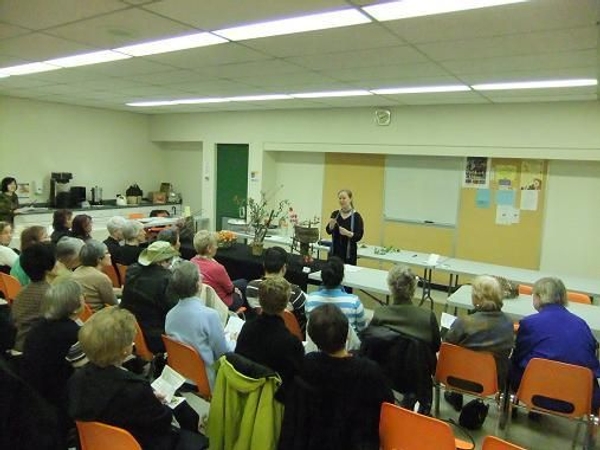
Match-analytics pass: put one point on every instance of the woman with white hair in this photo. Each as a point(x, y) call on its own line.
point(134, 235)
point(554, 333)
point(114, 226)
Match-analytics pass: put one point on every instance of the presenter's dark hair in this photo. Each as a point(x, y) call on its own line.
point(332, 272)
point(6, 181)
point(274, 259)
point(328, 328)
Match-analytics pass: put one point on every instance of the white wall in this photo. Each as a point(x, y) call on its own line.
point(571, 242)
point(105, 148)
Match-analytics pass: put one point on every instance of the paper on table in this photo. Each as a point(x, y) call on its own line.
point(351, 268)
point(168, 382)
point(433, 259)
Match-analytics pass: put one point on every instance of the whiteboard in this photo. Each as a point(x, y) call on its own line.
point(422, 189)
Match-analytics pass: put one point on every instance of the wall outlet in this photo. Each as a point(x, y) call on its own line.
point(39, 190)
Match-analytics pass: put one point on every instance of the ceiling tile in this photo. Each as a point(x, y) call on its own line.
point(40, 14)
point(275, 80)
point(40, 47)
point(391, 72)
point(547, 98)
point(122, 28)
point(8, 31)
point(164, 78)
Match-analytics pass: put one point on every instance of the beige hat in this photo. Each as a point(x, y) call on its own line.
point(156, 252)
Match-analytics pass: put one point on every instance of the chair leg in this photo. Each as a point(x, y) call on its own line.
point(437, 401)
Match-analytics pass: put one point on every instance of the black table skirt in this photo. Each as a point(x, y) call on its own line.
point(241, 263)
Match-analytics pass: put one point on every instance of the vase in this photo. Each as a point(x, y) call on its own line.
point(257, 248)
point(224, 244)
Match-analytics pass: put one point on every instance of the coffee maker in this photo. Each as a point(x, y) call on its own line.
point(60, 194)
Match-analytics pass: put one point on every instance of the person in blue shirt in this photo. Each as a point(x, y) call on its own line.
point(554, 333)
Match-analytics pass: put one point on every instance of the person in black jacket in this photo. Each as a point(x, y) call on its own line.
point(335, 400)
point(145, 292)
point(104, 391)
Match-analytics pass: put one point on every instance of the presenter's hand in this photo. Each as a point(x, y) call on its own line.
point(332, 223)
point(345, 232)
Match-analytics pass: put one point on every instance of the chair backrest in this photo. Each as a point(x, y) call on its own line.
point(10, 286)
point(113, 275)
point(100, 436)
point(525, 289)
point(86, 312)
point(567, 382)
point(122, 271)
point(578, 297)
point(465, 370)
point(292, 324)
point(401, 429)
point(141, 348)
point(186, 360)
point(133, 216)
point(495, 443)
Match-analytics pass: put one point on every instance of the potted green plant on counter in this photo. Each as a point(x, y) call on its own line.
point(260, 215)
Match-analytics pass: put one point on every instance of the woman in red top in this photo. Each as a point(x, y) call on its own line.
point(214, 273)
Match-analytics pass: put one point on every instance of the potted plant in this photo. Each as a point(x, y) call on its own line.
point(306, 233)
point(260, 215)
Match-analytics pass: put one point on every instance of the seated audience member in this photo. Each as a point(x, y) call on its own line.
point(61, 224)
point(106, 392)
point(332, 291)
point(145, 292)
point(214, 273)
point(193, 323)
point(171, 235)
point(335, 400)
point(133, 235)
point(67, 259)
point(554, 333)
point(81, 227)
point(8, 256)
point(266, 340)
point(275, 264)
point(97, 287)
point(114, 226)
point(51, 349)
point(418, 337)
point(488, 329)
point(29, 236)
point(37, 261)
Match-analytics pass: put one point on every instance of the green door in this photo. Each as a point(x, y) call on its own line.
point(232, 179)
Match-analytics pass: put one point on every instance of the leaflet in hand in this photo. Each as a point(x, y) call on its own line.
point(166, 385)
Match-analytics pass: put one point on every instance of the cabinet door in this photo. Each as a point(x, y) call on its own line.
point(232, 179)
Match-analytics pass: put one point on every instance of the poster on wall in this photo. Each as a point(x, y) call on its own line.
point(477, 172)
point(532, 174)
point(506, 174)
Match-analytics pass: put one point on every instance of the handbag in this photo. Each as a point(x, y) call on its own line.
point(473, 414)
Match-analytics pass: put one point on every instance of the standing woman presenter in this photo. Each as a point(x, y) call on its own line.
point(346, 228)
point(9, 202)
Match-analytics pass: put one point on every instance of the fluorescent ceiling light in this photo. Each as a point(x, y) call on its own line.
point(87, 59)
point(199, 101)
point(171, 44)
point(153, 103)
point(25, 69)
point(301, 24)
point(415, 8)
point(535, 84)
point(4, 75)
point(252, 98)
point(421, 89)
point(354, 93)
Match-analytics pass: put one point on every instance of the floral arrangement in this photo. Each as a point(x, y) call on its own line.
point(260, 214)
point(226, 238)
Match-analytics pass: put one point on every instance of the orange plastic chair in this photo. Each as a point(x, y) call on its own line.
point(133, 216)
point(141, 348)
point(86, 312)
point(100, 436)
point(10, 286)
point(495, 443)
point(525, 289)
point(187, 361)
point(568, 383)
point(292, 324)
point(578, 297)
point(113, 275)
point(400, 428)
point(122, 271)
point(466, 371)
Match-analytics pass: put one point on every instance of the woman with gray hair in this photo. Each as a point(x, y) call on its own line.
point(51, 349)
point(67, 259)
point(133, 235)
point(193, 323)
point(114, 226)
point(554, 333)
point(97, 287)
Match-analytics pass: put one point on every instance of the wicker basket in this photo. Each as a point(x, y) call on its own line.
point(306, 235)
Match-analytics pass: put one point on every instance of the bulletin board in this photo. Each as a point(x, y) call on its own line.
point(501, 214)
